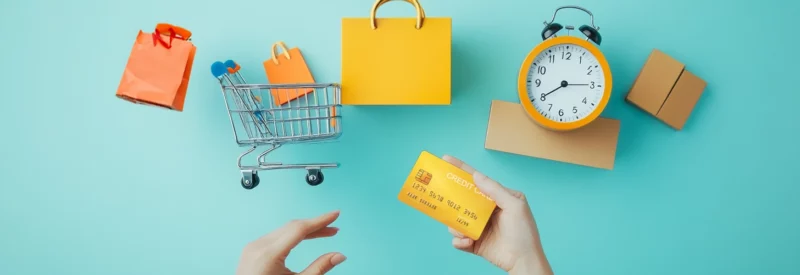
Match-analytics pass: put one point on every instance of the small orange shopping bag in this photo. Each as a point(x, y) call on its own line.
point(287, 68)
point(158, 68)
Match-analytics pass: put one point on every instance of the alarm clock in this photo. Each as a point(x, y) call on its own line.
point(565, 81)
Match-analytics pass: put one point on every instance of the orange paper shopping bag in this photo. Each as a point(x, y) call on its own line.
point(158, 68)
point(287, 68)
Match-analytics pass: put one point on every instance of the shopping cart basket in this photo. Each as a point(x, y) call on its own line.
point(256, 119)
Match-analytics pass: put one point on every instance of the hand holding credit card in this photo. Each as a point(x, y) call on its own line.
point(509, 239)
point(447, 194)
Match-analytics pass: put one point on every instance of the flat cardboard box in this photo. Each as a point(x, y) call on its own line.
point(511, 130)
point(666, 90)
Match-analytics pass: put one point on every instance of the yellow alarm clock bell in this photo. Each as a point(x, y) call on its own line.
point(565, 81)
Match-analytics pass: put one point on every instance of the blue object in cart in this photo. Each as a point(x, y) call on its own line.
point(258, 115)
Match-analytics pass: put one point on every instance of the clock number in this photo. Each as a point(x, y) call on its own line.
point(542, 70)
point(543, 97)
point(552, 58)
point(584, 100)
point(591, 86)
point(551, 107)
point(574, 109)
point(568, 55)
point(580, 59)
point(561, 112)
point(590, 70)
point(539, 82)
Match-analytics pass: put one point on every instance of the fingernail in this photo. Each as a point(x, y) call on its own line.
point(338, 259)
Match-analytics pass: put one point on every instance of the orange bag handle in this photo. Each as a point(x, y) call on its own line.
point(174, 32)
point(183, 33)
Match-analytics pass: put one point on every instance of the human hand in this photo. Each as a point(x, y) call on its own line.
point(511, 238)
point(267, 255)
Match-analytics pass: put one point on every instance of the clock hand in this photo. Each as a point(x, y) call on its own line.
point(578, 84)
point(563, 84)
point(556, 89)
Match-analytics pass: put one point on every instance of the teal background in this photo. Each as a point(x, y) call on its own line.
point(91, 184)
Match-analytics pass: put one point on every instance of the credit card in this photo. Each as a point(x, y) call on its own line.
point(447, 194)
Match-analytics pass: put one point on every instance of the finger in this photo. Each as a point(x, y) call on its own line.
point(463, 244)
point(494, 190)
point(323, 264)
point(322, 233)
point(297, 230)
point(455, 233)
point(300, 228)
point(458, 163)
point(515, 193)
point(321, 221)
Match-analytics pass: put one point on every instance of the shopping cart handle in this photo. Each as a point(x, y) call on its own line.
point(218, 69)
point(232, 66)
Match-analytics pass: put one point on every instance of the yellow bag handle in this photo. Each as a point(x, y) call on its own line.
point(417, 6)
point(274, 53)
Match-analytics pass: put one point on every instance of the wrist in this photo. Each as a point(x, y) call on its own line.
point(531, 265)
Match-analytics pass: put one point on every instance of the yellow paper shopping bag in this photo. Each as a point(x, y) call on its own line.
point(396, 61)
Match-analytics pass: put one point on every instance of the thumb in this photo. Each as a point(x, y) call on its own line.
point(494, 190)
point(323, 264)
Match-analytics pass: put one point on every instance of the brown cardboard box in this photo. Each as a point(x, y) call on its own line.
point(510, 130)
point(666, 90)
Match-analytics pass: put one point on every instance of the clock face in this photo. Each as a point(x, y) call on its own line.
point(565, 83)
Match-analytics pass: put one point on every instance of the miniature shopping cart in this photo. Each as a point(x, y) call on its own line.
point(276, 114)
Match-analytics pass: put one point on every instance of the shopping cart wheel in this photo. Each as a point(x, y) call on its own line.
point(314, 177)
point(248, 184)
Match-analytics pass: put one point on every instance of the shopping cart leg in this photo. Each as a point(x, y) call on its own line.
point(262, 161)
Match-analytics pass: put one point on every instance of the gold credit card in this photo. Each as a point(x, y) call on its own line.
point(448, 194)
